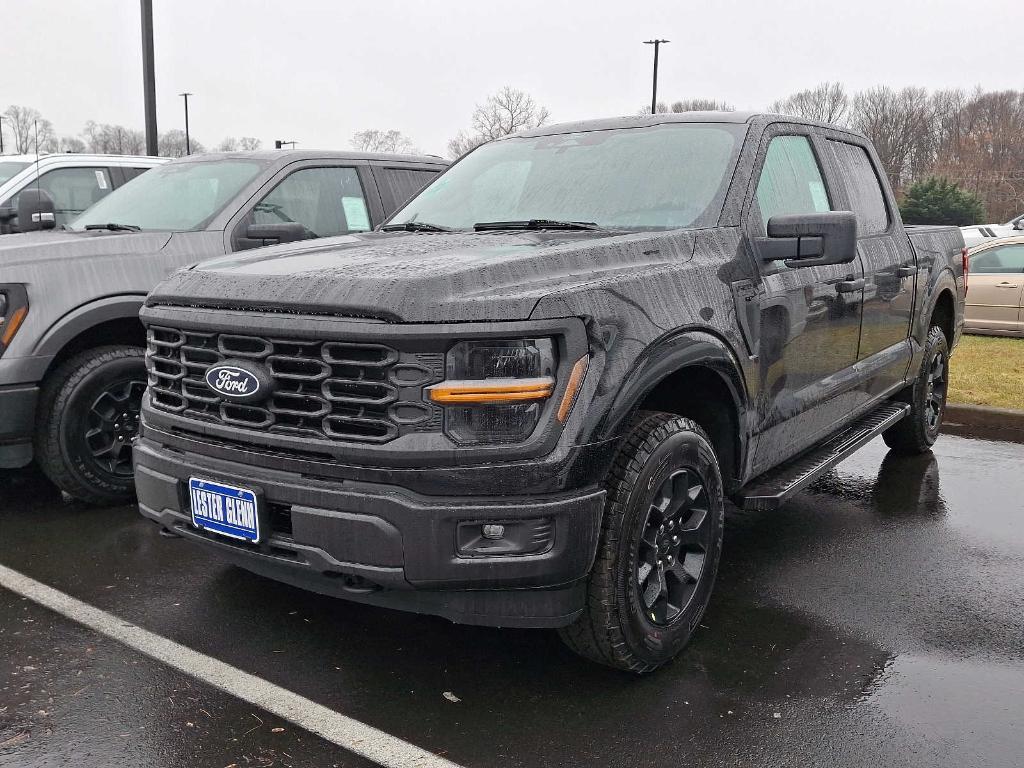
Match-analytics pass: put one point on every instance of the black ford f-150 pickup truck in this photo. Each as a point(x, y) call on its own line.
point(71, 346)
point(526, 401)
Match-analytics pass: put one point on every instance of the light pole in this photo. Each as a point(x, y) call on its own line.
point(149, 78)
point(188, 141)
point(1, 135)
point(654, 89)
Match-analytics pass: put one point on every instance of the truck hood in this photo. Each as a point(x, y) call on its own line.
point(36, 247)
point(420, 277)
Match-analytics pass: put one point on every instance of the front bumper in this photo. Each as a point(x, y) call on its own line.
point(17, 423)
point(384, 544)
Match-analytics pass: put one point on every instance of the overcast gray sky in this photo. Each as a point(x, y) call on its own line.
point(318, 71)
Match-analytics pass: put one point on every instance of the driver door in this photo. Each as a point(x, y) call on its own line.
point(325, 200)
point(808, 332)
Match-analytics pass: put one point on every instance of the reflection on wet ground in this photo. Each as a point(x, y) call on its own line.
point(877, 619)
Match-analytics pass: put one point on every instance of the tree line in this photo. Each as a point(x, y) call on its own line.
point(28, 131)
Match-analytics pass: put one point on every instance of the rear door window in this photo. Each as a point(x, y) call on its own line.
point(397, 185)
point(862, 188)
point(791, 181)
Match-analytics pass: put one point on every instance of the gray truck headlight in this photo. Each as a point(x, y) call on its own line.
point(13, 311)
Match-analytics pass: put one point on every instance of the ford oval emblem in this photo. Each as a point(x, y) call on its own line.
point(238, 381)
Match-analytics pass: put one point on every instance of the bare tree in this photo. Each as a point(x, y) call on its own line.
point(172, 144)
point(691, 105)
point(71, 144)
point(503, 113)
point(826, 102)
point(897, 122)
point(462, 143)
point(376, 140)
point(506, 112)
point(30, 130)
point(244, 144)
point(109, 139)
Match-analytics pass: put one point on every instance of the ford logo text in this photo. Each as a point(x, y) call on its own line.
point(235, 382)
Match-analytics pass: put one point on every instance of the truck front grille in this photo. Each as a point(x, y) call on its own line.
point(334, 390)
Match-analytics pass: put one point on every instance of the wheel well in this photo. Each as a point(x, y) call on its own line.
point(701, 394)
point(126, 330)
point(944, 316)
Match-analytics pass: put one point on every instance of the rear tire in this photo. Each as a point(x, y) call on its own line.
point(661, 541)
point(87, 416)
point(917, 431)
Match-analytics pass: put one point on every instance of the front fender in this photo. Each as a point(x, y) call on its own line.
point(87, 316)
point(671, 353)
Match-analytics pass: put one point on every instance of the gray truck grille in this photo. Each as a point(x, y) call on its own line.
point(334, 390)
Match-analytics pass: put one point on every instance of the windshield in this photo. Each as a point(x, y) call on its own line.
point(177, 196)
point(659, 177)
point(9, 168)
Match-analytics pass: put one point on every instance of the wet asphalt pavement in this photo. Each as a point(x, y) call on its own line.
point(876, 620)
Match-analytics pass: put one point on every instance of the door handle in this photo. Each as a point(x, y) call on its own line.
point(906, 271)
point(1006, 285)
point(850, 286)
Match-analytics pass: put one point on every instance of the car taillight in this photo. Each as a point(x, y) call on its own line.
point(967, 267)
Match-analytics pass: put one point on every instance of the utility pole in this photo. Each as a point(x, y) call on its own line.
point(188, 141)
point(654, 89)
point(149, 78)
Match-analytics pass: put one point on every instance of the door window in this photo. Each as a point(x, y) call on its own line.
point(994, 261)
point(327, 201)
point(397, 185)
point(74, 189)
point(791, 181)
point(862, 187)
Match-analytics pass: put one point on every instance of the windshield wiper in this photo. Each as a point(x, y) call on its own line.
point(114, 227)
point(484, 226)
point(414, 226)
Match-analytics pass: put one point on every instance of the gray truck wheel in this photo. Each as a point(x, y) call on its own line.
point(918, 430)
point(661, 540)
point(87, 416)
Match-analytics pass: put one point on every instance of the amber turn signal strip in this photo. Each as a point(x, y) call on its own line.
point(494, 391)
point(579, 370)
point(16, 319)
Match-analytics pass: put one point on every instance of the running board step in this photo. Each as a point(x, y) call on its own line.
point(770, 490)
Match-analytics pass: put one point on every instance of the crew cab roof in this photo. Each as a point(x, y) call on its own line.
point(292, 155)
point(641, 121)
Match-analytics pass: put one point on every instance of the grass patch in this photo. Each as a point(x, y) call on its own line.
point(988, 370)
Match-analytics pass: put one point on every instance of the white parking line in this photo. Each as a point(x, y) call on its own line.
point(360, 738)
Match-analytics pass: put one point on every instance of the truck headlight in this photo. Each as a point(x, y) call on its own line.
point(496, 389)
point(13, 311)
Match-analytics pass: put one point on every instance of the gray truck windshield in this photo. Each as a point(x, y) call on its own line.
point(658, 177)
point(176, 197)
point(9, 169)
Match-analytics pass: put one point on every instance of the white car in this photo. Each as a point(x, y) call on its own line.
point(983, 233)
point(995, 301)
point(74, 182)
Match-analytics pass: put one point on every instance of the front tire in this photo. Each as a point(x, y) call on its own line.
point(917, 431)
point(661, 542)
point(87, 417)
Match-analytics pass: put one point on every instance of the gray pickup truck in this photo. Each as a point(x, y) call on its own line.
point(71, 344)
point(526, 401)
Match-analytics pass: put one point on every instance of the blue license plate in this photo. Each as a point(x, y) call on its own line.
point(225, 509)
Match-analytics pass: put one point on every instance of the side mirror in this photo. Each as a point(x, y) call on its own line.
point(272, 234)
point(811, 239)
point(35, 211)
point(1018, 225)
